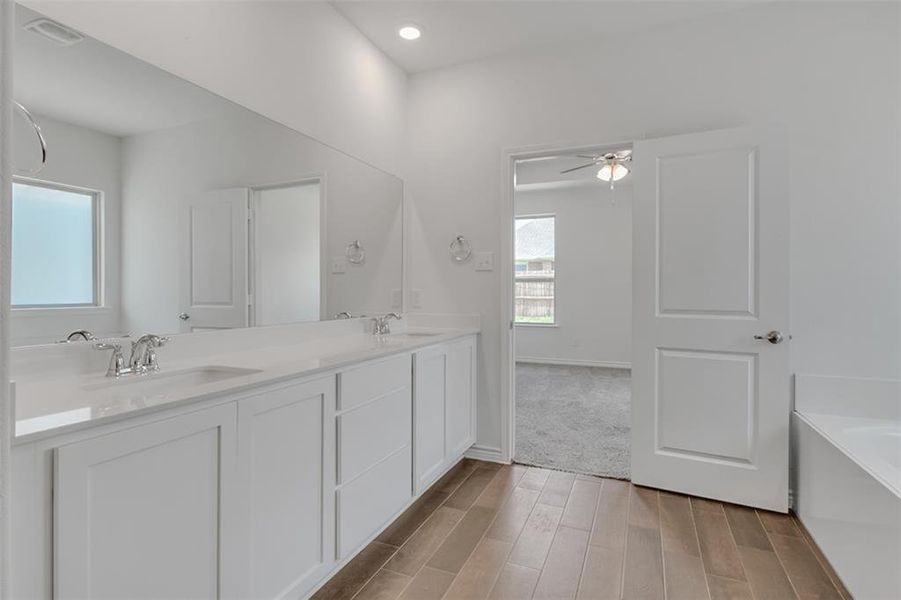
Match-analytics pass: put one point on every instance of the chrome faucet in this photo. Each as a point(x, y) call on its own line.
point(381, 325)
point(117, 365)
point(344, 315)
point(143, 356)
point(143, 353)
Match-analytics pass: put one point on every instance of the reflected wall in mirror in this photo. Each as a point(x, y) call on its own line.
point(166, 208)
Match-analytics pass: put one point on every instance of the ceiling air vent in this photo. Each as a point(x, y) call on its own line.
point(55, 32)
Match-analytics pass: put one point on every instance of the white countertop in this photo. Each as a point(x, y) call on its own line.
point(46, 407)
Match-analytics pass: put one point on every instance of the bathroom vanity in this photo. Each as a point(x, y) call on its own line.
point(254, 464)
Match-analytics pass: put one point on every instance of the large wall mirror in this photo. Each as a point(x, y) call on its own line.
point(165, 208)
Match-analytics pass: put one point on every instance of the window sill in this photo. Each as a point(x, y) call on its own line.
point(46, 311)
point(538, 325)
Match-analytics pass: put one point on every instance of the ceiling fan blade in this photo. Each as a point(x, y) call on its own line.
point(591, 164)
point(623, 154)
point(589, 156)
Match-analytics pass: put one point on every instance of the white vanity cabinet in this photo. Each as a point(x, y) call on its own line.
point(374, 425)
point(444, 407)
point(259, 493)
point(147, 512)
point(286, 464)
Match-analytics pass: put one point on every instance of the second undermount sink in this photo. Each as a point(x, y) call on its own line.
point(163, 381)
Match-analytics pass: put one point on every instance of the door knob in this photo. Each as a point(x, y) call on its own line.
point(773, 337)
point(184, 316)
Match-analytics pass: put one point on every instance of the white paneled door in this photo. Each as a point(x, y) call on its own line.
point(710, 391)
point(214, 261)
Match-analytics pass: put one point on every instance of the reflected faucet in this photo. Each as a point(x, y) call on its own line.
point(381, 325)
point(84, 334)
point(344, 315)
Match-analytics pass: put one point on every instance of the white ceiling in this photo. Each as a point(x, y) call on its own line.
point(96, 86)
point(456, 31)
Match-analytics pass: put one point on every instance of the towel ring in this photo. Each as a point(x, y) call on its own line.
point(460, 249)
point(355, 253)
point(39, 133)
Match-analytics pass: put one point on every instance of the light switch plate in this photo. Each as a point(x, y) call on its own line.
point(484, 261)
point(339, 265)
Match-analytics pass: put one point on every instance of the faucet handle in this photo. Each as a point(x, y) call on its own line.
point(108, 346)
point(117, 365)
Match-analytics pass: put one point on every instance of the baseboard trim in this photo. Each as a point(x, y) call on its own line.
point(486, 453)
point(574, 362)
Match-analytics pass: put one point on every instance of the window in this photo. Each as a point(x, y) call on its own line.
point(534, 270)
point(54, 246)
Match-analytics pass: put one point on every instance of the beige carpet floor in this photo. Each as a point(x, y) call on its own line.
point(574, 418)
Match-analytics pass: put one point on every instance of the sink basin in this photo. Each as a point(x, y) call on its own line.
point(166, 380)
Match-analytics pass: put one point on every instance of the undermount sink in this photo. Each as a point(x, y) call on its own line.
point(164, 380)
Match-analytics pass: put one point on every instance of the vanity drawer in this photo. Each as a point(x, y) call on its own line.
point(370, 432)
point(372, 380)
point(368, 502)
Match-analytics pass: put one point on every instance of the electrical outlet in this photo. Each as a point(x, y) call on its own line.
point(416, 298)
point(484, 261)
point(339, 265)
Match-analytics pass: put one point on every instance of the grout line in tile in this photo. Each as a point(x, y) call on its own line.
point(397, 549)
point(374, 573)
point(828, 569)
point(594, 518)
point(622, 574)
point(694, 528)
point(778, 559)
point(660, 535)
point(483, 536)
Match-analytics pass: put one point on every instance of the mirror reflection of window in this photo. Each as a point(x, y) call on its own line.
point(286, 243)
point(54, 246)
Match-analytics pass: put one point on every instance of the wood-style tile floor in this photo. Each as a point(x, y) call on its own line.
point(513, 532)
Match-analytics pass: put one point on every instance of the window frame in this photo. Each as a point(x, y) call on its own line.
point(98, 303)
point(556, 321)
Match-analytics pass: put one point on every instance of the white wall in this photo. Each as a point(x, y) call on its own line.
point(827, 71)
point(163, 171)
point(593, 276)
point(299, 63)
point(83, 158)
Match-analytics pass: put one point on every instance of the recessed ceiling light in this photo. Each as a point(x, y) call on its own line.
point(409, 32)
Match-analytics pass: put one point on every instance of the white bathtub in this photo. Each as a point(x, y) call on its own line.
point(847, 478)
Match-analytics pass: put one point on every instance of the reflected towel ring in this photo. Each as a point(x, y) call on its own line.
point(460, 249)
point(40, 134)
point(355, 253)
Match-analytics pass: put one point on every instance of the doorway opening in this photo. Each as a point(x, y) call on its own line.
point(572, 310)
point(286, 240)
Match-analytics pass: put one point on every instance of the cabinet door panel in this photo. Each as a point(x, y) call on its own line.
point(461, 361)
point(430, 395)
point(138, 512)
point(366, 503)
point(369, 433)
point(380, 378)
point(288, 465)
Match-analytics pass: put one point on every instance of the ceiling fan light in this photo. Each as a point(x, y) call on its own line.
point(613, 172)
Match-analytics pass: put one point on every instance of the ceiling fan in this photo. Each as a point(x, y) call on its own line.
point(613, 165)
